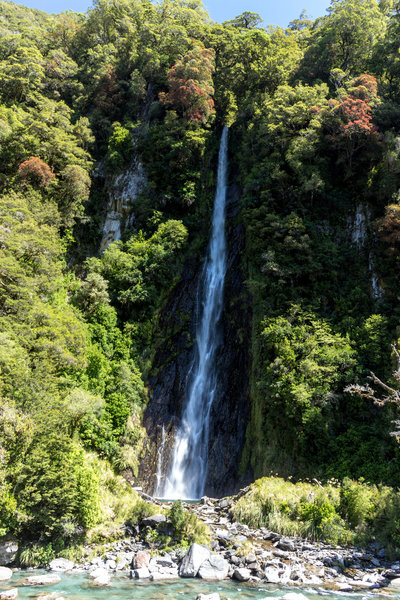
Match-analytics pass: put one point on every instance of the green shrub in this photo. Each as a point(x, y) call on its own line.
point(177, 518)
point(357, 502)
point(36, 555)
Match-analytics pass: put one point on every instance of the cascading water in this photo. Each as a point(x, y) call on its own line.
point(188, 470)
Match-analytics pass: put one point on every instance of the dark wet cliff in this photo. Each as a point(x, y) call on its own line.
point(173, 357)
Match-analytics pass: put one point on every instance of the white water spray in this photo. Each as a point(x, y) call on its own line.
point(188, 470)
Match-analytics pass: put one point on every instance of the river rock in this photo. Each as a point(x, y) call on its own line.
point(51, 596)
point(142, 573)
point(241, 574)
point(293, 596)
point(271, 575)
point(162, 576)
point(101, 580)
point(141, 559)
point(286, 545)
point(154, 520)
point(99, 572)
point(214, 568)
point(193, 560)
point(50, 579)
point(214, 596)
point(8, 552)
point(9, 594)
point(5, 573)
point(61, 564)
point(395, 582)
point(162, 561)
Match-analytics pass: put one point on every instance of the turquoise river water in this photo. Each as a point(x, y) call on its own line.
point(79, 587)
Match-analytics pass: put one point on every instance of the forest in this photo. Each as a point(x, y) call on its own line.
point(314, 118)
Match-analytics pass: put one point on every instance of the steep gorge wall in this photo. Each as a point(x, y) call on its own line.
point(173, 357)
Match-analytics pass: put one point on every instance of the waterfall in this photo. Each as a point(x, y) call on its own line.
point(160, 459)
point(188, 469)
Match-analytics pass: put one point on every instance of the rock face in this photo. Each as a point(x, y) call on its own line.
point(122, 197)
point(8, 552)
point(231, 410)
point(193, 560)
point(5, 573)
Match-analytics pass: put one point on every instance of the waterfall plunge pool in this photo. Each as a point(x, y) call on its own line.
point(79, 587)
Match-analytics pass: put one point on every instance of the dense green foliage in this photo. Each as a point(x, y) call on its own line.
point(352, 512)
point(315, 130)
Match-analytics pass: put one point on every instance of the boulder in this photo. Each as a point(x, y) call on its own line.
point(141, 559)
point(61, 564)
point(154, 520)
point(50, 579)
point(142, 573)
point(50, 596)
point(214, 568)
point(193, 560)
point(214, 596)
point(99, 572)
point(162, 576)
point(395, 582)
point(8, 552)
point(293, 596)
point(272, 575)
point(101, 580)
point(162, 561)
point(286, 545)
point(241, 574)
point(5, 573)
point(9, 594)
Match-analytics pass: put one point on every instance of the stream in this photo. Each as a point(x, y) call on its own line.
point(79, 587)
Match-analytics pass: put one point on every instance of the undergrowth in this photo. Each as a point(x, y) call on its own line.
point(351, 512)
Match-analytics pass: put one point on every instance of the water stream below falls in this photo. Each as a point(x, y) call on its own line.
point(80, 587)
point(186, 475)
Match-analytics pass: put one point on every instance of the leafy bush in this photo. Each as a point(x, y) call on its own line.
point(36, 555)
point(357, 502)
point(177, 518)
point(351, 512)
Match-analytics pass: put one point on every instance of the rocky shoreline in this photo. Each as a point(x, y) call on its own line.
point(236, 551)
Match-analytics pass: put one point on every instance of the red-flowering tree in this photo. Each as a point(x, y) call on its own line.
point(36, 171)
point(190, 85)
point(108, 97)
point(350, 116)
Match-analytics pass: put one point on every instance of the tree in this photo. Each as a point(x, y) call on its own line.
point(36, 172)
point(382, 393)
point(345, 39)
point(351, 116)
point(190, 86)
point(246, 20)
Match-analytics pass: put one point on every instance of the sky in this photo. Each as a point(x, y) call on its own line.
point(274, 12)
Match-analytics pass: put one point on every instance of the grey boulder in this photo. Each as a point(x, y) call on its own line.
point(193, 559)
point(61, 564)
point(8, 552)
point(50, 579)
point(241, 574)
point(9, 594)
point(5, 573)
point(214, 568)
point(154, 520)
